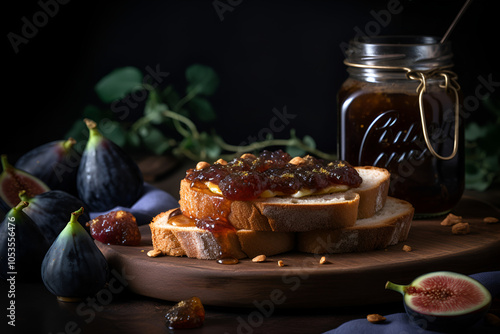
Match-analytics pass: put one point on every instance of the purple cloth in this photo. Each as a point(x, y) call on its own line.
point(152, 202)
point(399, 322)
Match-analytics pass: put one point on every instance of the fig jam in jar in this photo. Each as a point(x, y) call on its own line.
point(399, 109)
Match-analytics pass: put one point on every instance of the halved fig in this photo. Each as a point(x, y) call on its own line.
point(13, 180)
point(444, 301)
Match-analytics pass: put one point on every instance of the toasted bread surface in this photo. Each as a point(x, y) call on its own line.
point(201, 244)
point(289, 214)
point(388, 226)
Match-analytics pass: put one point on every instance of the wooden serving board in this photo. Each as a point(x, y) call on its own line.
point(347, 279)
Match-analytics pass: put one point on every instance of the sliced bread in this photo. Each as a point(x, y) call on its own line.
point(290, 214)
point(194, 242)
point(388, 226)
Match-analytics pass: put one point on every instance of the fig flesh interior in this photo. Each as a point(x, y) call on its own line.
point(444, 294)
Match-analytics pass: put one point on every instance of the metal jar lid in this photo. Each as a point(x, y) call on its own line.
point(416, 52)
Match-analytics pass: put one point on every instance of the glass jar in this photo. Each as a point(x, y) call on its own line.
point(399, 109)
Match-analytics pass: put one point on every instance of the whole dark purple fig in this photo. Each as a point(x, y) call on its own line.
point(50, 211)
point(107, 176)
point(22, 246)
point(74, 268)
point(55, 163)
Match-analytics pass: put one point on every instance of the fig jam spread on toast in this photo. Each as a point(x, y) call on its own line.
point(275, 173)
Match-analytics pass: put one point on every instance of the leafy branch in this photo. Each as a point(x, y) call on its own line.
point(482, 152)
point(168, 121)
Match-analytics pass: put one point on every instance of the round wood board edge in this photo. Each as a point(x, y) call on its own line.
point(346, 279)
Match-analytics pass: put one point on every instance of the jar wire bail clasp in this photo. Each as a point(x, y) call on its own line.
point(449, 83)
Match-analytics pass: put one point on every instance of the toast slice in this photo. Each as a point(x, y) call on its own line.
point(195, 242)
point(373, 190)
point(388, 226)
point(290, 214)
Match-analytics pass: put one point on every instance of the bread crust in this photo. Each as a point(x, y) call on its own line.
point(201, 244)
point(389, 226)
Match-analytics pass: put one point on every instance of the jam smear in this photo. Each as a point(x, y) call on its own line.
point(221, 229)
point(247, 178)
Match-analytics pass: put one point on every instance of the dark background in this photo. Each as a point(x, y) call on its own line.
point(268, 54)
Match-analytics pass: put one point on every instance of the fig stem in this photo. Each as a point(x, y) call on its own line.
point(75, 215)
point(396, 287)
point(94, 134)
point(74, 227)
point(21, 205)
point(69, 143)
point(24, 196)
point(5, 163)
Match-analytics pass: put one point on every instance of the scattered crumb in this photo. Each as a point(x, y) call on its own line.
point(460, 228)
point(375, 318)
point(142, 250)
point(407, 248)
point(154, 253)
point(490, 220)
point(323, 260)
point(259, 258)
point(451, 219)
point(281, 263)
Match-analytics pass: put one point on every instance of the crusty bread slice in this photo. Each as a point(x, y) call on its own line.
point(289, 214)
point(388, 226)
point(373, 190)
point(201, 244)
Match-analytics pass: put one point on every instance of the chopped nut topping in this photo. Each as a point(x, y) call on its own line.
point(407, 248)
point(247, 156)
point(297, 161)
point(460, 228)
point(259, 258)
point(490, 220)
point(202, 165)
point(281, 263)
point(154, 253)
point(375, 318)
point(221, 162)
point(323, 260)
point(451, 219)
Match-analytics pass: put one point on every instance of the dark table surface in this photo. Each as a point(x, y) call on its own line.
point(38, 311)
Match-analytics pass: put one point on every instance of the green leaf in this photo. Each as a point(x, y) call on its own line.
point(202, 109)
point(209, 146)
point(119, 83)
point(309, 141)
point(202, 80)
point(154, 108)
point(170, 96)
point(473, 131)
point(479, 181)
point(113, 131)
point(154, 140)
point(133, 139)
